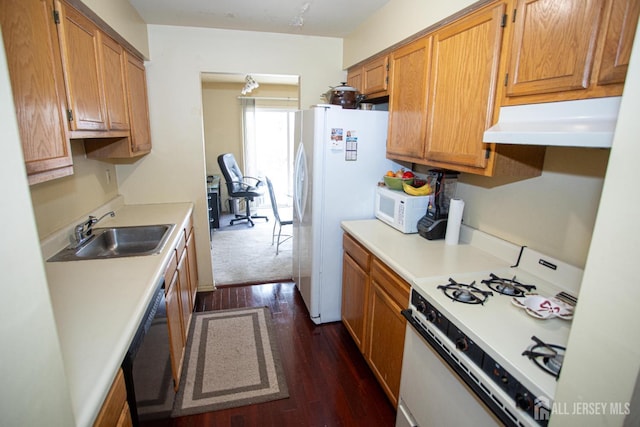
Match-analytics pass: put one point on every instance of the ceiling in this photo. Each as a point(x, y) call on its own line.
point(329, 18)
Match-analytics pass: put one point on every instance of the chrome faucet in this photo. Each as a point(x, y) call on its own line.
point(84, 230)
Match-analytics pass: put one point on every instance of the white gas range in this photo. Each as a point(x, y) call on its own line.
point(481, 339)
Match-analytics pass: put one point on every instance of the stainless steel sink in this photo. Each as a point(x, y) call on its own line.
point(117, 242)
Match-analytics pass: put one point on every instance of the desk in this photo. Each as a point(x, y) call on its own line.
point(213, 196)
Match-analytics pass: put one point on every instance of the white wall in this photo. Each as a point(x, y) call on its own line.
point(34, 388)
point(124, 19)
point(175, 169)
point(60, 202)
point(603, 353)
point(553, 213)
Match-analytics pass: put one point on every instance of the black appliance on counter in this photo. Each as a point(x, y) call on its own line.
point(433, 225)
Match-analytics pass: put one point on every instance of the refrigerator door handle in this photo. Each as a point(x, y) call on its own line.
point(300, 184)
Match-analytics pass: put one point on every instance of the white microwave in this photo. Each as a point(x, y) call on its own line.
point(399, 209)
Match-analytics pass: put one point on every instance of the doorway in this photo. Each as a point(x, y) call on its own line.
point(258, 128)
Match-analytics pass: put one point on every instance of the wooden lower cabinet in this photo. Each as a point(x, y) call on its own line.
point(386, 327)
point(372, 298)
point(181, 284)
point(192, 262)
point(355, 289)
point(115, 409)
point(186, 307)
point(174, 321)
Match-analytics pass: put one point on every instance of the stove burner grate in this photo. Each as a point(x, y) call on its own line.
point(548, 357)
point(462, 292)
point(509, 287)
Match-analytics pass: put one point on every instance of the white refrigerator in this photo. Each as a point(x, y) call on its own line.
point(340, 157)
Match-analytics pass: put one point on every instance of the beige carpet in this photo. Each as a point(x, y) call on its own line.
point(231, 360)
point(245, 255)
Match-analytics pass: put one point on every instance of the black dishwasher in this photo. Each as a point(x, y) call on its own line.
point(147, 364)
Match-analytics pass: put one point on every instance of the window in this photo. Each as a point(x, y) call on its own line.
point(269, 145)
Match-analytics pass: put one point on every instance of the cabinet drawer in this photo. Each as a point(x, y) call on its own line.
point(356, 251)
point(396, 287)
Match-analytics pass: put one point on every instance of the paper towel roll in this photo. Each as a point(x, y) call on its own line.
point(456, 206)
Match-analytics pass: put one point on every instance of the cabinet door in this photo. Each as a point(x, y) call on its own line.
point(619, 36)
point(385, 344)
point(553, 45)
point(113, 60)
point(192, 262)
point(185, 294)
point(138, 105)
point(37, 82)
point(374, 76)
point(464, 71)
point(80, 52)
point(409, 75)
point(355, 291)
point(354, 78)
point(174, 323)
point(386, 327)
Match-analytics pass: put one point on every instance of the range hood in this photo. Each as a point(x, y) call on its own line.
point(582, 123)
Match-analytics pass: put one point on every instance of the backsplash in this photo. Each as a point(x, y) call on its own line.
point(59, 202)
point(554, 213)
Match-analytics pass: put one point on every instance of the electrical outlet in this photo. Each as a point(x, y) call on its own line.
point(108, 174)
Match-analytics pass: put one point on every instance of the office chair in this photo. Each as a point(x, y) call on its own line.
point(239, 187)
point(279, 222)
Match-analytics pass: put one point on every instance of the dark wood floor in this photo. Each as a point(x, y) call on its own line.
point(329, 381)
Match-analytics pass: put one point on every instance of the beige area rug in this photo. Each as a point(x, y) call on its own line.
point(231, 360)
point(245, 255)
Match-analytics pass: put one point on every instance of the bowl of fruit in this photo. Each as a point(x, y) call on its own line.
point(394, 180)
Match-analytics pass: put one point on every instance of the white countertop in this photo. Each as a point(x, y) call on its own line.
point(98, 304)
point(413, 257)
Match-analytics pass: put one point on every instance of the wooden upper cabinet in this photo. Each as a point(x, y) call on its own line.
point(553, 45)
point(113, 76)
point(375, 76)
point(138, 105)
point(80, 45)
point(35, 70)
point(354, 78)
point(619, 35)
point(408, 92)
point(371, 79)
point(464, 66)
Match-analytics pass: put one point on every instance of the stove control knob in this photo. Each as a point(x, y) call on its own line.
point(431, 316)
point(421, 307)
point(524, 401)
point(462, 344)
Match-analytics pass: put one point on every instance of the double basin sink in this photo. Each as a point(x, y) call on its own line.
point(118, 242)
